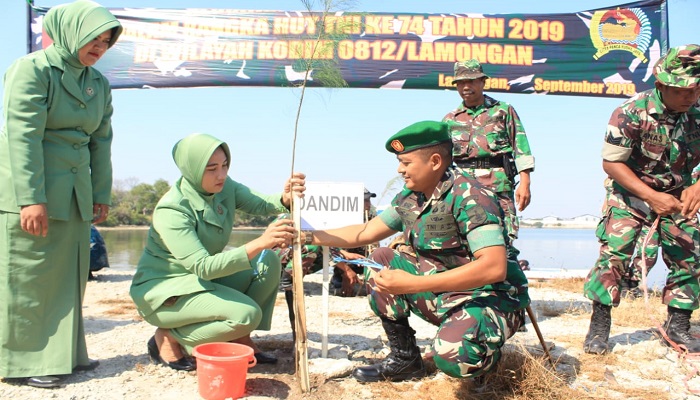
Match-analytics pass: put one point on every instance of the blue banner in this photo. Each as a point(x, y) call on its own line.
point(605, 52)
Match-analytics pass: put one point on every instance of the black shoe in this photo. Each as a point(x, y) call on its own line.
point(46, 382)
point(92, 364)
point(630, 288)
point(393, 368)
point(265, 358)
point(596, 341)
point(183, 364)
point(677, 328)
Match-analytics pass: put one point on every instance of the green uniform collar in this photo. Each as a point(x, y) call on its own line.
point(656, 106)
point(488, 103)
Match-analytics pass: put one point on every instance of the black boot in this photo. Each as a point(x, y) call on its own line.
point(289, 297)
point(335, 287)
point(403, 363)
point(630, 288)
point(596, 341)
point(677, 328)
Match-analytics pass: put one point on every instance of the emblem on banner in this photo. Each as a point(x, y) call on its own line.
point(626, 29)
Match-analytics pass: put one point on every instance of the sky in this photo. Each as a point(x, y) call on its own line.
point(342, 131)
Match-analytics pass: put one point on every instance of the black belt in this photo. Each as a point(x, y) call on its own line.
point(483, 163)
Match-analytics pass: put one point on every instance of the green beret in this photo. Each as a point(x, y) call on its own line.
point(419, 135)
point(680, 67)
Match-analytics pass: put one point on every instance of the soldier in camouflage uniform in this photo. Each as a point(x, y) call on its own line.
point(456, 273)
point(651, 146)
point(490, 143)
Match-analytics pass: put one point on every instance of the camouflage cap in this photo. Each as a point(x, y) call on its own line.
point(469, 69)
point(680, 67)
point(418, 135)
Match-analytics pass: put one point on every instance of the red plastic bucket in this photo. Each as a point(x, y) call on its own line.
point(222, 369)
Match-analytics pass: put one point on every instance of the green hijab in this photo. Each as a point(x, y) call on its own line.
point(192, 154)
point(73, 25)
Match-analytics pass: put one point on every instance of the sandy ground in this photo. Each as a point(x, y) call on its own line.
point(117, 337)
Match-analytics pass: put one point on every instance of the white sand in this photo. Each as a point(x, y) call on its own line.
point(117, 337)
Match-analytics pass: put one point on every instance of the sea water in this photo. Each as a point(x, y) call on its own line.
point(550, 252)
point(556, 252)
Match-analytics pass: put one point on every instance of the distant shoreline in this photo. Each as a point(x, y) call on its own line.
point(582, 226)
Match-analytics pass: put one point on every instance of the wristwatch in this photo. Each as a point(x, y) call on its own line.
point(308, 237)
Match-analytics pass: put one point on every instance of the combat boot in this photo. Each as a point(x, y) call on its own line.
point(596, 341)
point(677, 329)
point(289, 297)
point(404, 362)
point(630, 289)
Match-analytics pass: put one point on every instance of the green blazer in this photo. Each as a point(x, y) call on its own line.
point(57, 136)
point(186, 241)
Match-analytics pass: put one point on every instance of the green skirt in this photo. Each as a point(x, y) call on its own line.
point(42, 284)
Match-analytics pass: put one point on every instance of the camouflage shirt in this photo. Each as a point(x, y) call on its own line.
point(661, 147)
point(488, 130)
point(446, 229)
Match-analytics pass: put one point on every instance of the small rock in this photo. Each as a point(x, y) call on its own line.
point(331, 368)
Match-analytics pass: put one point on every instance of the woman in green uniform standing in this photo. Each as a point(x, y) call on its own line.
point(187, 283)
point(55, 178)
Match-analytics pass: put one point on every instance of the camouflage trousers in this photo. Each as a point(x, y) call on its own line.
point(469, 337)
point(618, 233)
point(650, 253)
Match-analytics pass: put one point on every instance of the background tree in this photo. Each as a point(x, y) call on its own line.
point(133, 204)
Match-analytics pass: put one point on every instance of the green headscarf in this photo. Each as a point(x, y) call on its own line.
point(73, 25)
point(192, 154)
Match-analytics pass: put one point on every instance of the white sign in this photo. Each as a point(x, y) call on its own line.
point(329, 205)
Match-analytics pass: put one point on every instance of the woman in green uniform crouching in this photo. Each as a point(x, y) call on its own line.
point(55, 178)
point(187, 284)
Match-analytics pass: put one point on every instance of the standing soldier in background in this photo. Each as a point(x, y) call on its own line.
point(651, 146)
point(490, 143)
